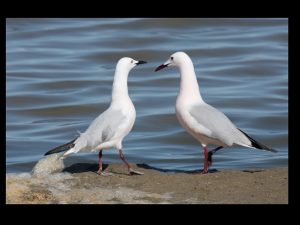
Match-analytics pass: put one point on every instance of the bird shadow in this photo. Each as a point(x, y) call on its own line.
point(89, 167)
point(84, 167)
point(146, 166)
point(93, 167)
point(252, 171)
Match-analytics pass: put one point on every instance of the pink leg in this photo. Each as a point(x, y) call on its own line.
point(100, 162)
point(123, 158)
point(131, 171)
point(206, 162)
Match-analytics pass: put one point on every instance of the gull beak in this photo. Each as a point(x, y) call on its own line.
point(141, 62)
point(161, 67)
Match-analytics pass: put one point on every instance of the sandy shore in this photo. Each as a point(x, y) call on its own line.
point(80, 184)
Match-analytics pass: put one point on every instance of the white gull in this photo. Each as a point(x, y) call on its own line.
point(109, 128)
point(204, 122)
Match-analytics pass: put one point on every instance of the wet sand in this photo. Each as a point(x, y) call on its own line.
point(80, 184)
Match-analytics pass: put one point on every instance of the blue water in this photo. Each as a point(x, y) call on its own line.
point(59, 74)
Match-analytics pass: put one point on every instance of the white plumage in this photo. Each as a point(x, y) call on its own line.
point(204, 122)
point(110, 128)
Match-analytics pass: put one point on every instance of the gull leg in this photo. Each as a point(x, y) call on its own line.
point(100, 162)
point(100, 172)
point(206, 161)
point(131, 171)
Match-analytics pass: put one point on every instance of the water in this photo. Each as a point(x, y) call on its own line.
point(59, 74)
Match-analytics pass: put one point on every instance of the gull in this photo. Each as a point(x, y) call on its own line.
point(204, 122)
point(109, 128)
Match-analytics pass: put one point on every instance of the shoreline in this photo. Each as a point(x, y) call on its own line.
point(79, 184)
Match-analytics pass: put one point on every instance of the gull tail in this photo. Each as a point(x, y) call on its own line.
point(62, 148)
point(256, 144)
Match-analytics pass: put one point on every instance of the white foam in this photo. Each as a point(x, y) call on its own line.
point(66, 188)
point(46, 184)
point(48, 165)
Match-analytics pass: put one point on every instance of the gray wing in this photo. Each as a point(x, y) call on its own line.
point(102, 129)
point(220, 127)
point(105, 126)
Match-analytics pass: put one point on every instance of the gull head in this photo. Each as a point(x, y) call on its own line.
point(128, 64)
point(176, 59)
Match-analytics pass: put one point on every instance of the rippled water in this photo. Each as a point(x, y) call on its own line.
point(59, 74)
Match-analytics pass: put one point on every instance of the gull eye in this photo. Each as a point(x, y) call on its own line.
point(131, 61)
point(172, 58)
